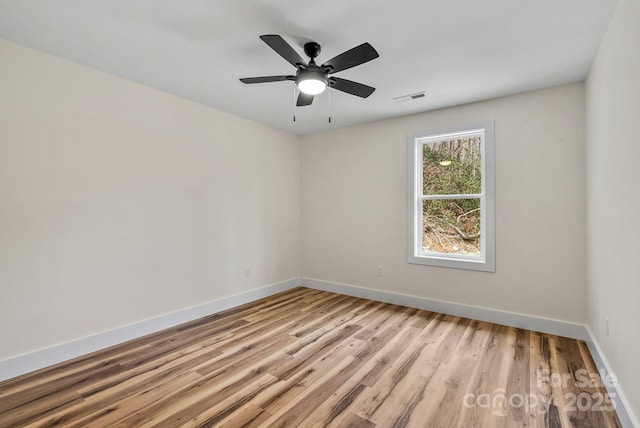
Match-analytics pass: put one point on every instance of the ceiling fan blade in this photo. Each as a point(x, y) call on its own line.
point(351, 87)
point(356, 56)
point(266, 79)
point(304, 99)
point(283, 49)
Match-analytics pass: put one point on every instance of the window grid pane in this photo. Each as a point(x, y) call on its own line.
point(452, 166)
point(451, 226)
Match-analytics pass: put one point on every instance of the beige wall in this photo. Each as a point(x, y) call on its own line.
point(613, 201)
point(119, 202)
point(354, 207)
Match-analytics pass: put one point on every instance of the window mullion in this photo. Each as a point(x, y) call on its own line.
point(462, 196)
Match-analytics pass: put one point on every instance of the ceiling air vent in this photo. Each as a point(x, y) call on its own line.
point(409, 97)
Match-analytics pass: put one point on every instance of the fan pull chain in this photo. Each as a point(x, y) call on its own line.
point(293, 106)
point(329, 91)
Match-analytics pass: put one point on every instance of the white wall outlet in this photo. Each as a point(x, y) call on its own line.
point(247, 272)
point(380, 271)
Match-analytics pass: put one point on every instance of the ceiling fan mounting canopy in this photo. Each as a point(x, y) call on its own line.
point(312, 49)
point(313, 79)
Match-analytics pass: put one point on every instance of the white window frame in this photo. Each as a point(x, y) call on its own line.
point(487, 260)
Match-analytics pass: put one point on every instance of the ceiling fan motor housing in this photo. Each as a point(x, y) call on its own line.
point(315, 73)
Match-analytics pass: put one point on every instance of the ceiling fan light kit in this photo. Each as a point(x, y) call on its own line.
point(313, 79)
point(312, 82)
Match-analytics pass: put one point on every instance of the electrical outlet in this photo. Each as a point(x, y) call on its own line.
point(380, 271)
point(247, 272)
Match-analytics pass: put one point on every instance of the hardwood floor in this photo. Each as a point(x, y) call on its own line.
point(313, 359)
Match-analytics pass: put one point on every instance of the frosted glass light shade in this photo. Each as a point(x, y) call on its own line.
point(312, 86)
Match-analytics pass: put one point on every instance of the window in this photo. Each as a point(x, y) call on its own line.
point(451, 198)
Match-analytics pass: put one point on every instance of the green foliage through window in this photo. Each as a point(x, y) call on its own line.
point(452, 167)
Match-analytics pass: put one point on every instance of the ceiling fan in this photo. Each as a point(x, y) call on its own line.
point(313, 79)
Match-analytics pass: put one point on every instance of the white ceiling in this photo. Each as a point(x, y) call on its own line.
point(458, 51)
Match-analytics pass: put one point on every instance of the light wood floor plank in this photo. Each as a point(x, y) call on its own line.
point(312, 358)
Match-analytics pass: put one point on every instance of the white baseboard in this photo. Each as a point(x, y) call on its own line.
point(39, 359)
point(512, 319)
point(625, 414)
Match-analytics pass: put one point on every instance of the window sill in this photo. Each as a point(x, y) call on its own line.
point(454, 262)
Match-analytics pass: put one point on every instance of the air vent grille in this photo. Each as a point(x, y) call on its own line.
point(410, 97)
